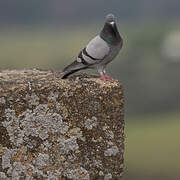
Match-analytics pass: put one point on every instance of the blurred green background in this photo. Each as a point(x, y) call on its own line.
point(49, 34)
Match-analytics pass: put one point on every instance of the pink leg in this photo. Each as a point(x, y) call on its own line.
point(103, 77)
point(108, 78)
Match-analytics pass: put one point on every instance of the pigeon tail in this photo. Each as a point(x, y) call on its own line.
point(72, 68)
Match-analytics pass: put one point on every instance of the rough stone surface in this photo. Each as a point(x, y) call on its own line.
point(60, 129)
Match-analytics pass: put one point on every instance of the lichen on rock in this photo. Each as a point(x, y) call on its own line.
point(68, 145)
point(112, 151)
point(2, 100)
point(60, 129)
point(38, 122)
point(90, 123)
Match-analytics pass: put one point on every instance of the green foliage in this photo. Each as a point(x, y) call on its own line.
point(41, 47)
point(152, 147)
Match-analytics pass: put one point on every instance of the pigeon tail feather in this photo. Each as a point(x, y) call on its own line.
point(72, 68)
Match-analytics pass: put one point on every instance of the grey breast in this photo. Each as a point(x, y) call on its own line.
point(114, 50)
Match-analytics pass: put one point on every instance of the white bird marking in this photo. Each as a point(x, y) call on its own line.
point(79, 60)
point(112, 23)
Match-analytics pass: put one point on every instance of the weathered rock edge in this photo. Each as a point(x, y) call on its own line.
point(60, 129)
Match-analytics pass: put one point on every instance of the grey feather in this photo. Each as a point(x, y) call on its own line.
point(97, 48)
point(72, 68)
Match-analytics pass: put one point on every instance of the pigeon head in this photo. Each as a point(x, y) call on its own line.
point(110, 18)
point(110, 32)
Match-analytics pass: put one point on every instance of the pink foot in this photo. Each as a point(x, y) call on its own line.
point(108, 78)
point(103, 78)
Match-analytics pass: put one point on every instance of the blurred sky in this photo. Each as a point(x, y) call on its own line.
point(80, 11)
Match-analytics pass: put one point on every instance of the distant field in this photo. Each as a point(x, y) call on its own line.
point(47, 47)
point(41, 47)
point(153, 147)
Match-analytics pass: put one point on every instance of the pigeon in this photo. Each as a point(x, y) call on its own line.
point(99, 52)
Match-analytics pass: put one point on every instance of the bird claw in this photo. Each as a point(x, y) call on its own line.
point(106, 77)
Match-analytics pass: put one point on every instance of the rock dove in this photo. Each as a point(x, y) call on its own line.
point(99, 52)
